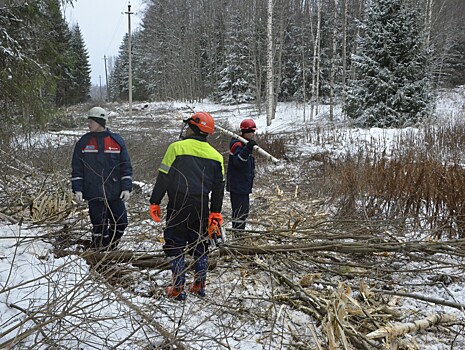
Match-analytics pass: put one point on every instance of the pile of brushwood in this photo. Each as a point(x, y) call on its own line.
point(364, 252)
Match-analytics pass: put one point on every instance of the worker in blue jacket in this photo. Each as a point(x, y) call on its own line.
point(192, 174)
point(241, 173)
point(102, 175)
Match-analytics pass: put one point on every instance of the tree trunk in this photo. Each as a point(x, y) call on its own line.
point(316, 63)
point(269, 68)
point(284, 13)
point(333, 64)
point(344, 50)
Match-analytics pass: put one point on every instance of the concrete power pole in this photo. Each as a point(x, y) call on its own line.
point(129, 13)
point(106, 79)
point(100, 89)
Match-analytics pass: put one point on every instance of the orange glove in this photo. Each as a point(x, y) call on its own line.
point(215, 220)
point(155, 212)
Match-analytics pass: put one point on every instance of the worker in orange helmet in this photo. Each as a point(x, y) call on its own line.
point(192, 173)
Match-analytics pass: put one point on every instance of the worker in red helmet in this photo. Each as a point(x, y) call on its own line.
point(241, 173)
point(192, 173)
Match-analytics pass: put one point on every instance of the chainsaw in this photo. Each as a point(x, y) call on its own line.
point(218, 240)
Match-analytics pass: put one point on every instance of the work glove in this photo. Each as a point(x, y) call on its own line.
point(78, 196)
point(125, 195)
point(215, 220)
point(155, 212)
point(251, 144)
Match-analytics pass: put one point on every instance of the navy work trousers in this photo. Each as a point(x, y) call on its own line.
point(240, 205)
point(109, 220)
point(186, 226)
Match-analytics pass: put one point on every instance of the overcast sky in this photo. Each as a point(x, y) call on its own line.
point(103, 25)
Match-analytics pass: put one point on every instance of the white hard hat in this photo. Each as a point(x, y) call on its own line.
point(98, 112)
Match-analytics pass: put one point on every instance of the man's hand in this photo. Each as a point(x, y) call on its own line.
point(215, 220)
point(155, 212)
point(78, 196)
point(125, 195)
point(250, 145)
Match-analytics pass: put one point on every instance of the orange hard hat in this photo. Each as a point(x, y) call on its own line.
point(204, 121)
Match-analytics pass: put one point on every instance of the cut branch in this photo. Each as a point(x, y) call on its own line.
point(404, 328)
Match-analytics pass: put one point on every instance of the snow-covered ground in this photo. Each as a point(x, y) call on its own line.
point(48, 302)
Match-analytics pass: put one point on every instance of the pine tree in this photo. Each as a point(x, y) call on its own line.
point(393, 87)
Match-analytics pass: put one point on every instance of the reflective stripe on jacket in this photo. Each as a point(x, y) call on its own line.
point(101, 167)
point(191, 167)
point(241, 168)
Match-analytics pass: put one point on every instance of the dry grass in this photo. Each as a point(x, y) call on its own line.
point(422, 182)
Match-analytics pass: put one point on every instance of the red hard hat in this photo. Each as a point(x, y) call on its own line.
point(204, 121)
point(248, 125)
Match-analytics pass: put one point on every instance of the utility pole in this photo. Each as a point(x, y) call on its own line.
point(100, 83)
point(129, 13)
point(106, 78)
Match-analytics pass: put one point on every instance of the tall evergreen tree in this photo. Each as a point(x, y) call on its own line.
point(27, 86)
point(119, 77)
point(57, 52)
point(237, 78)
point(393, 87)
point(80, 69)
point(297, 59)
point(154, 40)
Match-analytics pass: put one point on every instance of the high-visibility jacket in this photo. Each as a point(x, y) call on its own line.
point(101, 167)
point(191, 167)
point(241, 168)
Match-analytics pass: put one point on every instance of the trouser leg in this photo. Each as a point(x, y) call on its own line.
point(186, 234)
point(240, 210)
point(97, 213)
point(178, 270)
point(118, 221)
point(200, 277)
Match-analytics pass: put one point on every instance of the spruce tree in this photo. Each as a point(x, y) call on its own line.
point(119, 77)
point(237, 79)
point(27, 84)
point(393, 87)
point(80, 68)
point(56, 52)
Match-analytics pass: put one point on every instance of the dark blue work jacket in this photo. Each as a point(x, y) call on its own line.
point(241, 168)
point(101, 167)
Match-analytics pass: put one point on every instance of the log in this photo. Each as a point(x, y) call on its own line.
point(141, 260)
point(260, 150)
point(399, 329)
point(450, 247)
point(118, 256)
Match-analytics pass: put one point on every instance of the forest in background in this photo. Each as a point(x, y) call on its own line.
point(318, 52)
point(189, 50)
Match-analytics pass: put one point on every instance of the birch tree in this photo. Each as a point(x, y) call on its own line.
point(333, 63)
point(269, 68)
point(316, 61)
